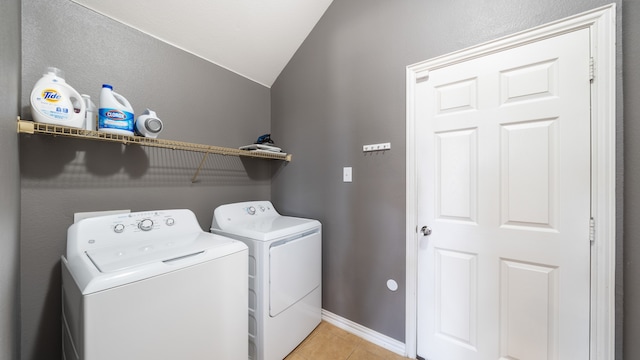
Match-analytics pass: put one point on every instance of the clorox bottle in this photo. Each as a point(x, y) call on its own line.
point(115, 113)
point(52, 101)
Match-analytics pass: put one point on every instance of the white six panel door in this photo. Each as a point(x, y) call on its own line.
point(504, 182)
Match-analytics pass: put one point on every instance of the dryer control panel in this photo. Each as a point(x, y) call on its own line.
point(242, 213)
point(260, 208)
point(257, 220)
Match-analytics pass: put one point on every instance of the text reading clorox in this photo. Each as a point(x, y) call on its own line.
point(115, 115)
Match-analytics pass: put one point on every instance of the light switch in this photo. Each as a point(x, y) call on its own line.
point(346, 174)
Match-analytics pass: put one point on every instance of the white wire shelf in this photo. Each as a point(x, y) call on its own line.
point(30, 127)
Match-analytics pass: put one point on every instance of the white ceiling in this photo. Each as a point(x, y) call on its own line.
point(254, 38)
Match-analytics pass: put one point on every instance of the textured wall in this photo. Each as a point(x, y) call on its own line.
point(631, 255)
point(9, 178)
point(344, 88)
point(197, 101)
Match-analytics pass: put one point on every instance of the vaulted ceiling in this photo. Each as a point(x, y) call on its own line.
point(254, 38)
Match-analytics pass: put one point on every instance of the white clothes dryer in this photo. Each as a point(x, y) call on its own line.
point(285, 274)
point(153, 285)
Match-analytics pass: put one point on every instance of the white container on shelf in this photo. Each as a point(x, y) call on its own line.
point(53, 101)
point(148, 124)
point(90, 118)
point(115, 113)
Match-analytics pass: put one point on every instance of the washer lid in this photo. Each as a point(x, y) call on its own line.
point(146, 252)
point(272, 228)
point(101, 269)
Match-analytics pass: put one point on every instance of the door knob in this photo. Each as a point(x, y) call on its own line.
point(426, 231)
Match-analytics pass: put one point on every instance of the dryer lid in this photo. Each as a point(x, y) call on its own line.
point(267, 229)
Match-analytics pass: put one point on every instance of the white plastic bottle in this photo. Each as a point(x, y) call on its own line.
point(115, 114)
point(90, 118)
point(148, 124)
point(52, 101)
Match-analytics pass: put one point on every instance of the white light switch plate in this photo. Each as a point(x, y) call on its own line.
point(347, 174)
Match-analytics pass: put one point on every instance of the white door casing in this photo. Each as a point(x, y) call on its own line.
point(600, 26)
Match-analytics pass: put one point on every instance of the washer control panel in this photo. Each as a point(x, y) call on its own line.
point(122, 229)
point(146, 221)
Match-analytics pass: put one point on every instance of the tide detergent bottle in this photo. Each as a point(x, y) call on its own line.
point(115, 114)
point(53, 101)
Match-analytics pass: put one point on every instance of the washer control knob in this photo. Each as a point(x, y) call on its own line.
point(146, 225)
point(118, 228)
point(170, 222)
point(251, 210)
point(262, 208)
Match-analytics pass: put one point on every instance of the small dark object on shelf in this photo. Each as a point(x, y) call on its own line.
point(264, 139)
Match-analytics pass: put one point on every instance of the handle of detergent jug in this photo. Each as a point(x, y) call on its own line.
point(122, 100)
point(73, 94)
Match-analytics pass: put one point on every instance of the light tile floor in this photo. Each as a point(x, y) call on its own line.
point(328, 342)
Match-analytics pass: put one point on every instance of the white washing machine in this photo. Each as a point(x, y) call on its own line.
point(153, 285)
point(285, 274)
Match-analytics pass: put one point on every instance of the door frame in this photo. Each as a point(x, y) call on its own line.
point(602, 24)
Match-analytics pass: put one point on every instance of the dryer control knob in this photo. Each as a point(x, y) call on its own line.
point(146, 225)
point(251, 210)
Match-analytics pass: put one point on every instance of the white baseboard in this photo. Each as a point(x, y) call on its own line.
point(365, 333)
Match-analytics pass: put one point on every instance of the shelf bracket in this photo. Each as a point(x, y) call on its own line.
point(195, 176)
point(26, 127)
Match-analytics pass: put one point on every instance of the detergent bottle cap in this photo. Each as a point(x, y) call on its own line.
point(107, 86)
point(54, 71)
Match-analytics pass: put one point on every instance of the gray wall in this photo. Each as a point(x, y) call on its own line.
point(345, 87)
point(197, 101)
point(631, 257)
point(9, 178)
